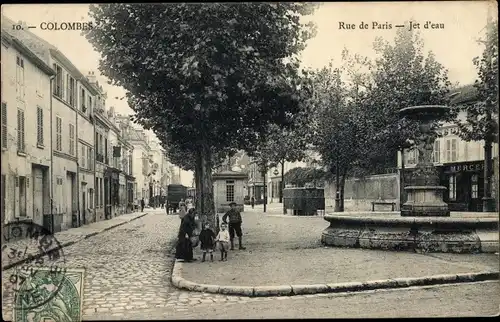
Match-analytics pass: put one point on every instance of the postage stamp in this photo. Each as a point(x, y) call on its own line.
point(34, 254)
point(63, 288)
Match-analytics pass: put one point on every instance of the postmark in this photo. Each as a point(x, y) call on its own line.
point(37, 259)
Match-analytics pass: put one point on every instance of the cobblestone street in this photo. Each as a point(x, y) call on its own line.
point(128, 272)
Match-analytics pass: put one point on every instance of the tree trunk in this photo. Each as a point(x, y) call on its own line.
point(265, 189)
point(488, 201)
point(206, 200)
point(337, 188)
point(197, 181)
point(342, 188)
point(283, 185)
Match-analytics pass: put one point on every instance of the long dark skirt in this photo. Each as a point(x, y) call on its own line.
point(184, 249)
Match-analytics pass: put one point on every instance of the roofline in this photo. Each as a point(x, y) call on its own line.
point(12, 40)
point(60, 56)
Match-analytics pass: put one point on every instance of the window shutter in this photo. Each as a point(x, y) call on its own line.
point(20, 130)
point(4, 125)
point(39, 133)
point(58, 134)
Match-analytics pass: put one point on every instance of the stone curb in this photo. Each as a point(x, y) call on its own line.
point(72, 242)
point(290, 290)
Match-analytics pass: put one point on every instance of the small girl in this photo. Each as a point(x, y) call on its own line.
point(223, 239)
point(207, 239)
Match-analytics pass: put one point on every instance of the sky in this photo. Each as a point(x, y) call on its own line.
point(454, 46)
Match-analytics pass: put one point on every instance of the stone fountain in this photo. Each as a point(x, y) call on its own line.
point(425, 196)
point(424, 223)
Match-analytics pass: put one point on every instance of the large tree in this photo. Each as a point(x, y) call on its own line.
point(206, 77)
point(402, 76)
point(481, 121)
point(338, 125)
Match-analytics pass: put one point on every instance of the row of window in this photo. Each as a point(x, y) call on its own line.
point(65, 88)
point(451, 152)
point(21, 133)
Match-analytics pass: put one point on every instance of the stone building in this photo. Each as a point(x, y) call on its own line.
point(141, 165)
point(25, 139)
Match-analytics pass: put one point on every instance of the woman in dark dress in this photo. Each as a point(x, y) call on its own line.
point(184, 249)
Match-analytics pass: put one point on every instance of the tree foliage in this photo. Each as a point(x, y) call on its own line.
point(477, 126)
point(355, 124)
point(402, 76)
point(204, 77)
point(301, 176)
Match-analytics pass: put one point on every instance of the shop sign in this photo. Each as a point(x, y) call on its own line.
point(474, 167)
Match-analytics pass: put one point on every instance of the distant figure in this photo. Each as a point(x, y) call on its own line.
point(252, 201)
point(207, 239)
point(142, 205)
point(223, 241)
point(235, 222)
point(182, 209)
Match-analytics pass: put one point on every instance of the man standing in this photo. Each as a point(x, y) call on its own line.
point(234, 225)
point(142, 205)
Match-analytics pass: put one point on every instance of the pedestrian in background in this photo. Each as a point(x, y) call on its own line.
point(235, 222)
point(142, 205)
point(252, 201)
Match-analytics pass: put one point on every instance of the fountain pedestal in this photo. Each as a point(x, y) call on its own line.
point(425, 195)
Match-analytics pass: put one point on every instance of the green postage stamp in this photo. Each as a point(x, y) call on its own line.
point(48, 294)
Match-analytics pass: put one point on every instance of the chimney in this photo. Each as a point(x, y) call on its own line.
point(92, 78)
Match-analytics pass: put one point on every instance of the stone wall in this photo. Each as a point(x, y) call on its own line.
point(359, 193)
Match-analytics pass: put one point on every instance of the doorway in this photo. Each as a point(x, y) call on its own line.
point(38, 192)
point(84, 204)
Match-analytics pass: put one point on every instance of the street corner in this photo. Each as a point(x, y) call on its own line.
point(187, 285)
point(310, 289)
point(280, 290)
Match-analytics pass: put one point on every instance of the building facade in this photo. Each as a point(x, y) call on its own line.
point(140, 155)
point(25, 139)
point(56, 172)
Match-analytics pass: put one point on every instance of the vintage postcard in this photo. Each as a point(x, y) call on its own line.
point(262, 160)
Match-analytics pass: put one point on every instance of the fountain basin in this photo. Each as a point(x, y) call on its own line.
point(421, 234)
point(425, 112)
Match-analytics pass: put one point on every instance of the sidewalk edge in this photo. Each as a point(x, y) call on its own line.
point(299, 289)
point(72, 242)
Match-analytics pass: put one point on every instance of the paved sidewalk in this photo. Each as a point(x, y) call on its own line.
point(65, 238)
point(283, 251)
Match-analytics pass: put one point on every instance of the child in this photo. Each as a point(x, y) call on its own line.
point(207, 239)
point(223, 239)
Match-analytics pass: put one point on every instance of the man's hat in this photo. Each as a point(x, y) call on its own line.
point(232, 203)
